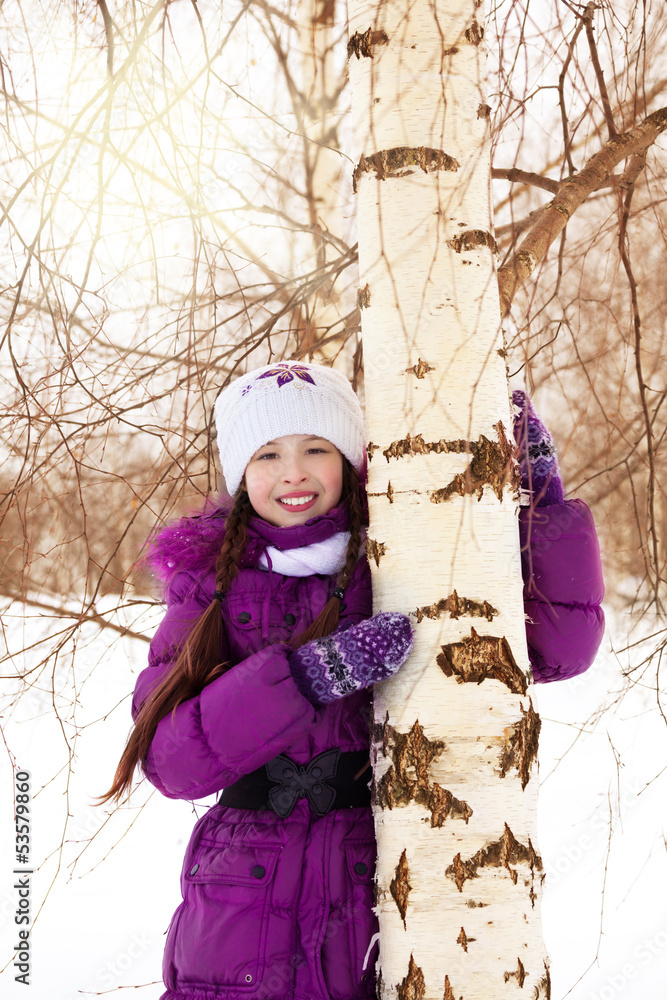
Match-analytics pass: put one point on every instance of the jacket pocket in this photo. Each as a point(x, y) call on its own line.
point(360, 860)
point(351, 926)
point(218, 936)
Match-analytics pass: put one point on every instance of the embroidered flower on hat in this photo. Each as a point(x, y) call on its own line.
point(286, 373)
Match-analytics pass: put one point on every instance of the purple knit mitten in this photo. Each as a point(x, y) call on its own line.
point(538, 464)
point(354, 658)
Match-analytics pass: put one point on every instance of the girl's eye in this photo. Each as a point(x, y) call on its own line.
point(269, 454)
point(318, 451)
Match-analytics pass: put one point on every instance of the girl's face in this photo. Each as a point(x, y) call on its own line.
point(294, 478)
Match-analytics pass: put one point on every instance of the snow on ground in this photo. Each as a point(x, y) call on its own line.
point(102, 902)
point(602, 832)
point(113, 887)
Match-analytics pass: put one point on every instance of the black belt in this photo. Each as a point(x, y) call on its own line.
point(332, 780)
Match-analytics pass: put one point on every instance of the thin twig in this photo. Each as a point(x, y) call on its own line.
point(561, 98)
point(652, 539)
point(595, 58)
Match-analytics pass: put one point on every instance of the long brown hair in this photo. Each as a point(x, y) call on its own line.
point(198, 661)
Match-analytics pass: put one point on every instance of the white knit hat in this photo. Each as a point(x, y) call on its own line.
point(290, 397)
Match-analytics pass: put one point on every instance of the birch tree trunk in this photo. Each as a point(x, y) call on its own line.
point(455, 732)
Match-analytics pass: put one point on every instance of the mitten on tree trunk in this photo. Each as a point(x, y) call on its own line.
point(351, 659)
point(536, 453)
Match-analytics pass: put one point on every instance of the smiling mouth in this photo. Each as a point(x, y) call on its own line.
point(296, 501)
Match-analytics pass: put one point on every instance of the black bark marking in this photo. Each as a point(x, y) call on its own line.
point(413, 986)
point(472, 239)
point(361, 43)
point(442, 804)
point(484, 111)
point(449, 992)
point(499, 854)
point(375, 550)
point(389, 493)
point(417, 446)
point(543, 989)
point(480, 657)
point(420, 369)
point(408, 751)
point(456, 606)
point(400, 161)
point(462, 939)
point(475, 32)
point(371, 449)
point(520, 750)
point(451, 52)
point(364, 296)
point(492, 463)
point(407, 779)
point(376, 734)
point(400, 886)
point(532, 895)
point(519, 974)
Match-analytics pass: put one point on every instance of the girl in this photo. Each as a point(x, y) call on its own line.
point(258, 684)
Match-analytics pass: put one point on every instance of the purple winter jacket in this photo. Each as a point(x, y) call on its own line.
point(281, 909)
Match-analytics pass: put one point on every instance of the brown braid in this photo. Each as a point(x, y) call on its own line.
point(356, 511)
point(236, 525)
point(327, 620)
point(198, 662)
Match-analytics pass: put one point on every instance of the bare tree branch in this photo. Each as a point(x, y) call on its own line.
point(572, 192)
point(517, 176)
point(595, 59)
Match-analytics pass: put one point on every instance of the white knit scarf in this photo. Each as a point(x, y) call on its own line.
point(327, 557)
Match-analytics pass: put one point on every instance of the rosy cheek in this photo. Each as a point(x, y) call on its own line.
point(334, 483)
point(256, 486)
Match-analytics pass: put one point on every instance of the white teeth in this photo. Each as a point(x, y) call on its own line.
point(297, 501)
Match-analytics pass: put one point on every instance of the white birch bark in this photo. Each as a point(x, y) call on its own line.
point(458, 877)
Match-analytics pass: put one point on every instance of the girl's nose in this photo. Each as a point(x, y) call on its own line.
point(294, 472)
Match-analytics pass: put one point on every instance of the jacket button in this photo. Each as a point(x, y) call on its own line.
point(259, 871)
point(316, 772)
point(248, 978)
point(245, 617)
point(290, 619)
point(194, 869)
point(317, 789)
point(360, 868)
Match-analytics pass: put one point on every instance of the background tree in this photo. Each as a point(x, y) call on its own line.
point(161, 234)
